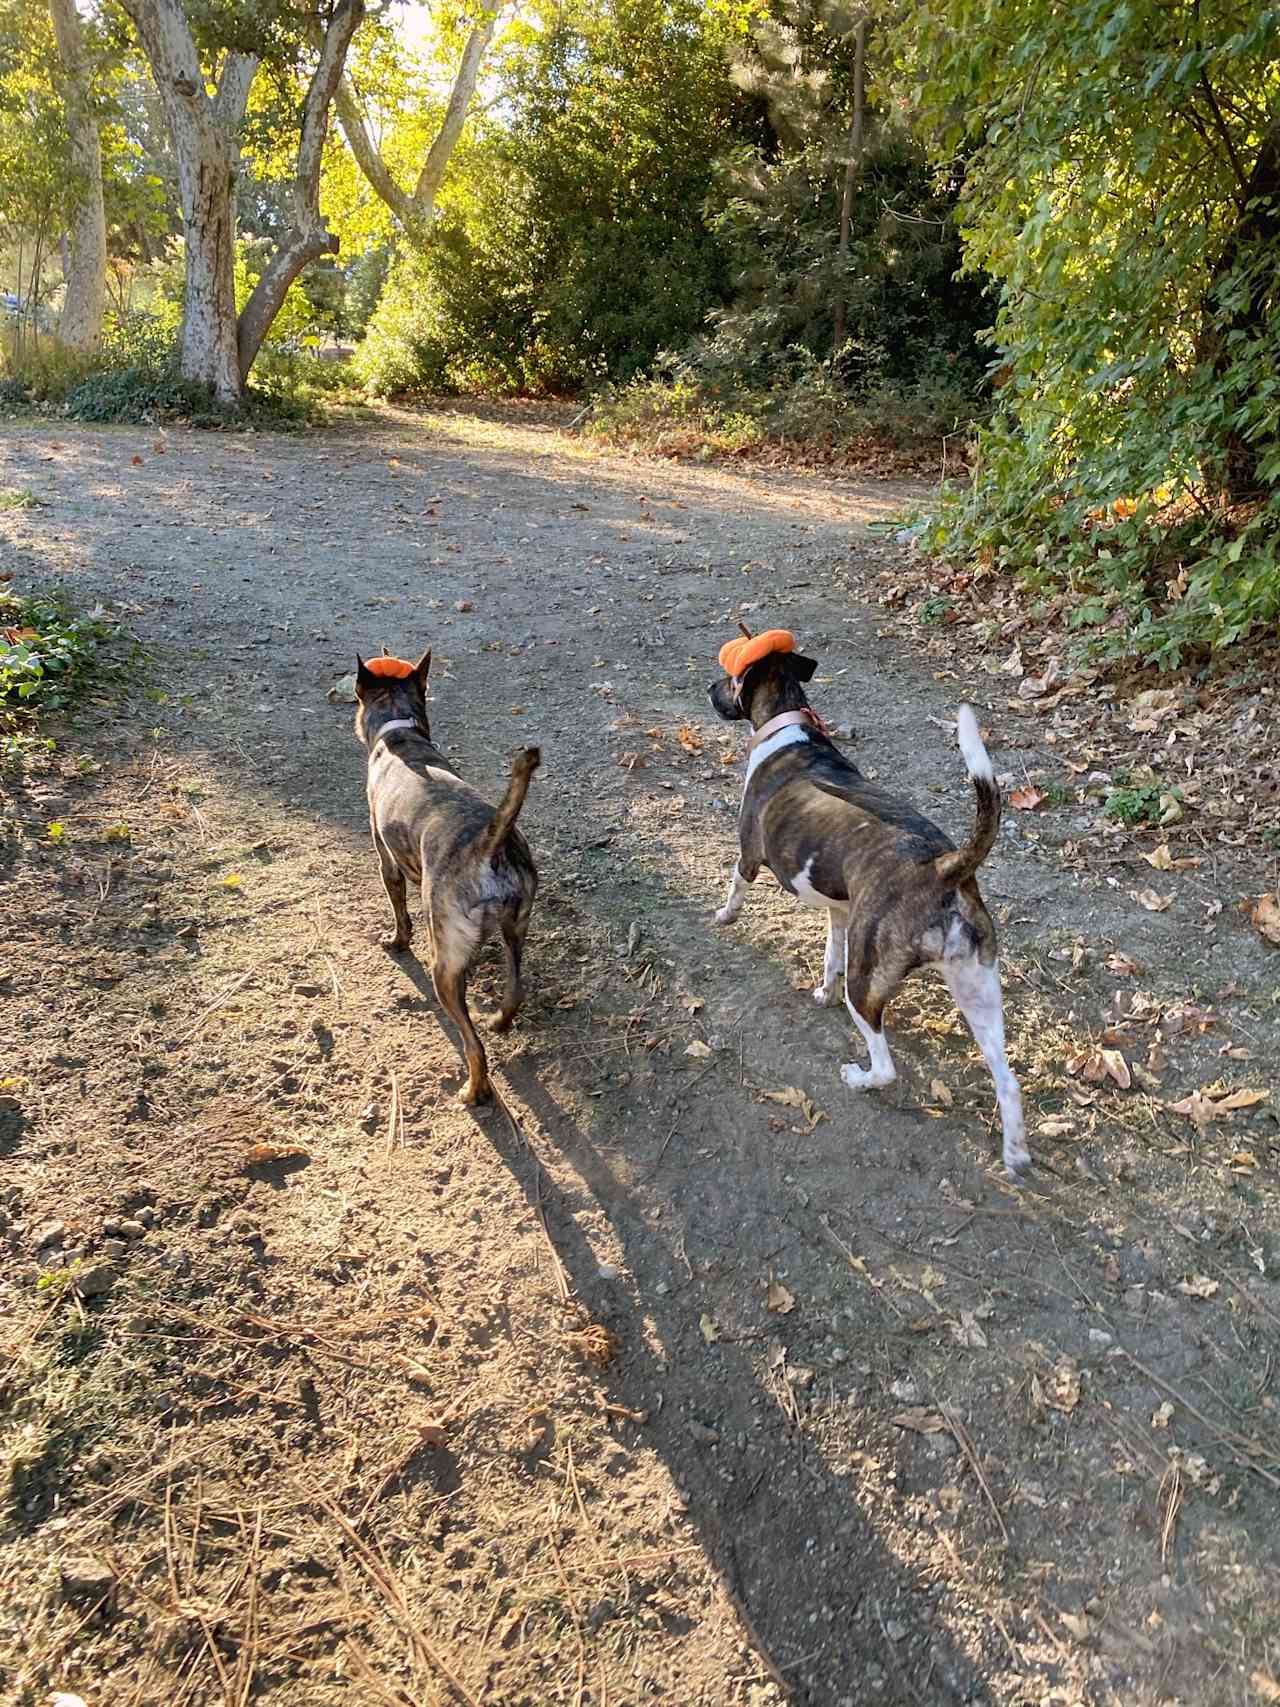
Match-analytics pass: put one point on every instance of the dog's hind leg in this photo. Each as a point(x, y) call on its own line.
point(514, 931)
point(738, 885)
point(832, 961)
point(393, 883)
point(975, 989)
point(453, 951)
point(866, 999)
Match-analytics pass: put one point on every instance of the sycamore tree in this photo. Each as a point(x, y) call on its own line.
point(1122, 185)
point(204, 63)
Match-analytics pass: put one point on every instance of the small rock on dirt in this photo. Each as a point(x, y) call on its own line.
point(52, 1233)
point(95, 1281)
point(132, 1229)
point(905, 1390)
point(147, 1216)
point(60, 1698)
point(114, 1249)
point(111, 1227)
point(86, 1580)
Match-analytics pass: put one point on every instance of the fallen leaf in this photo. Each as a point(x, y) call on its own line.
point(257, 1153)
point(1026, 798)
point(1265, 915)
point(343, 691)
point(1122, 966)
point(940, 1093)
point(1244, 1099)
point(1077, 1626)
point(689, 738)
point(966, 1331)
point(920, 1420)
point(1056, 1127)
point(432, 1434)
point(136, 461)
point(1243, 1162)
point(779, 1300)
point(792, 1097)
point(698, 1050)
point(1062, 1390)
point(1198, 1286)
point(1265, 1686)
point(694, 1004)
point(710, 1332)
point(1153, 902)
point(1162, 1415)
point(1117, 1067)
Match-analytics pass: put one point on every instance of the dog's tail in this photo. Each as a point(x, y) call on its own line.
point(505, 817)
point(961, 864)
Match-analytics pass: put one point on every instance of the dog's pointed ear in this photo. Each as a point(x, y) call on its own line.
point(365, 677)
point(422, 669)
point(801, 668)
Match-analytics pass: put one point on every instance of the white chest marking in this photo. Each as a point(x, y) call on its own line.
point(811, 897)
point(787, 737)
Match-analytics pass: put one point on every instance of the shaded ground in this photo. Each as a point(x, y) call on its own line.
point(664, 1389)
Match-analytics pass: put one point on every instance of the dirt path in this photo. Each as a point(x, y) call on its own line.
point(671, 1390)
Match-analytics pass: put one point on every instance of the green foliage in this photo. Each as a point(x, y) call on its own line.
point(49, 654)
point(1123, 186)
point(1139, 803)
point(572, 243)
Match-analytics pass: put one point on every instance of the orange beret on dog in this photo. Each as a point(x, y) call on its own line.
point(395, 667)
point(737, 656)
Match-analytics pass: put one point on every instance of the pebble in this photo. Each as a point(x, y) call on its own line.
point(896, 1632)
point(86, 1579)
point(114, 1249)
point(52, 1233)
point(703, 1435)
point(147, 1216)
point(132, 1229)
point(906, 1390)
point(60, 1698)
point(111, 1227)
point(95, 1281)
point(1099, 1336)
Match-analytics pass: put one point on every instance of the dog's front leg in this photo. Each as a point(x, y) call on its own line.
point(833, 962)
point(975, 988)
point(738, 885)
point(393, 883)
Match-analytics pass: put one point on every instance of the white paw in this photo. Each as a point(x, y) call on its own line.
point(862, 1078)
point(825, 995)
point(726, 915)
point(1017, 1158)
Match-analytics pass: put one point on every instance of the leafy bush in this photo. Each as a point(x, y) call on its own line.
point(49, 653)
point(572, 244)
point(1123, 186)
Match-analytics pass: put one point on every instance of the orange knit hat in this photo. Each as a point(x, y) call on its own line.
point(737, 656)
point(397, 668)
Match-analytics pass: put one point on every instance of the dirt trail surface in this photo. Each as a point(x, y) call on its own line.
point(695, 1378)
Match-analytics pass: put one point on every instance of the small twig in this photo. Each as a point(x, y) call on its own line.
point(1227, 1437)
point(213, 1006)
point(1173, 1504)
point(966, 1446)
point(395, 1121)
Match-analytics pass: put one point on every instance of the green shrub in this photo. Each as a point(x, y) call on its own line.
point(49, 654)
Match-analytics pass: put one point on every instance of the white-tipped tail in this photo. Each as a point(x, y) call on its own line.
point(976, 756)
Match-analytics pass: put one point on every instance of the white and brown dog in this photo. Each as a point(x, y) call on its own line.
point(898, 893)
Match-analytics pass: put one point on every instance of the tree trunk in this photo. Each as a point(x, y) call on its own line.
point(415, 211)
point(853, 167)
point(1234, 465)
point(308, 237)
point(86, 272)
point(203, 132)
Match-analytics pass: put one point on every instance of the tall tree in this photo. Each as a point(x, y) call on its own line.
point(215, 349)
point(415, 208)
point(81, 321)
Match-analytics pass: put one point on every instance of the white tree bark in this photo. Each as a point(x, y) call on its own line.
point(203, 132)
point(308, 237)
point(81, 323)
point(415, 211)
